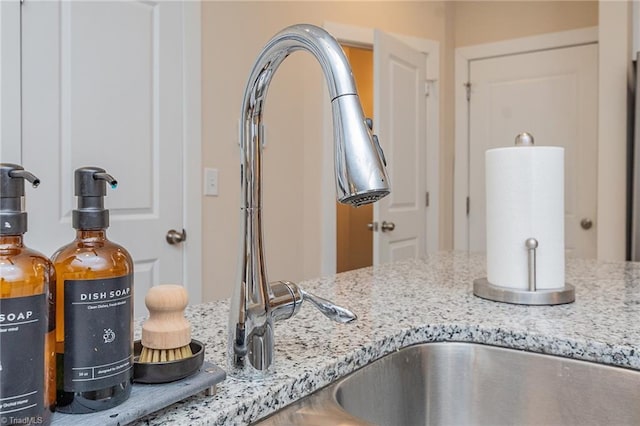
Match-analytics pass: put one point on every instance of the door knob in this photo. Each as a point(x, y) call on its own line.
point(586, 223)
point(387, 226)
point(176, 237)
point(373, 226)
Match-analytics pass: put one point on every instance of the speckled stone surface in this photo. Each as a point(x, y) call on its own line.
point(412, 302)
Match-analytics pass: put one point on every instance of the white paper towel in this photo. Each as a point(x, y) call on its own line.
point(525, 199)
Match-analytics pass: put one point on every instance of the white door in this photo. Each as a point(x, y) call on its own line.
point(102, 85)
point(400, 123)
point(9, 80)
point(551, 94)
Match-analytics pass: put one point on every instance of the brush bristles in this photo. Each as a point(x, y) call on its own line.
point(164, 355)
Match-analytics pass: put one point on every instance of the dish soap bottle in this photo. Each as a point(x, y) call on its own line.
point(27, 312)
point(94, 336)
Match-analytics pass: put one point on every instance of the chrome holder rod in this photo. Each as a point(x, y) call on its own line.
point(532, 245)
point(532, 296)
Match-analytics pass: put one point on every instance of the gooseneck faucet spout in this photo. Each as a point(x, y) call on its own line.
point(361, 178)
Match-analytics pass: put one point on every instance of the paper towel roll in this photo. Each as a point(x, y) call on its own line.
point(525, 199)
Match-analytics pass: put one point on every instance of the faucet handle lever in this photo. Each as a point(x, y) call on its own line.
point(288, 296)
point(329, 309)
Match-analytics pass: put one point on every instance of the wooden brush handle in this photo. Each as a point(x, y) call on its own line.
point(166, 328)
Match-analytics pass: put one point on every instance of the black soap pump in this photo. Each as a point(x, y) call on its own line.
point(94, 339)
point(27, 312)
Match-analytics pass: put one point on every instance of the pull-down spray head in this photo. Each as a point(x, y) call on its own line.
point(359, 164)
point(360, 173)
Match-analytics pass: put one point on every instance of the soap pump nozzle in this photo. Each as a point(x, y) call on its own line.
point(23, 174)
point(90, 188)
point(13, 218)
point(107, 178)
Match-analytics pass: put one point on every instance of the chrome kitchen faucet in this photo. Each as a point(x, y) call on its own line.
point(361, 178)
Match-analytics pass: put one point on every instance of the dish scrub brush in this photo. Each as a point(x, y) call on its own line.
point(166, 334)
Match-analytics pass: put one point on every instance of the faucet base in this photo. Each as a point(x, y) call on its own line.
point(250, 356)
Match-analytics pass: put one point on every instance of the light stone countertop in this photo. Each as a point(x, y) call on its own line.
point(411, 302)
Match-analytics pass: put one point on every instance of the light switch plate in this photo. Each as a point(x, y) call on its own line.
point(211, 182)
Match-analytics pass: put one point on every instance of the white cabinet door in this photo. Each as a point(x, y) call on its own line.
point(102, 85)
point(400, 123)
point(551, 94)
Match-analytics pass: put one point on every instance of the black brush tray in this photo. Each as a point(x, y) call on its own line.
point(168, 371)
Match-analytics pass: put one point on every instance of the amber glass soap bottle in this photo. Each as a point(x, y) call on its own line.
point(27, 312)
point(94, 337)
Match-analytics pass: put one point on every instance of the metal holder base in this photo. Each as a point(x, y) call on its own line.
point(484, 289)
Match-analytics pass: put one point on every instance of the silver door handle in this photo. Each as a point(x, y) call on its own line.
point(373, 226)
point(586, 223)
point(176, 237)
point(387, 226)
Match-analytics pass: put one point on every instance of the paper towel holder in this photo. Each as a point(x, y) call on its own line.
point(532, 296)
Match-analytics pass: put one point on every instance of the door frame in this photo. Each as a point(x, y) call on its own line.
point(192, 150)
point(192, 129)
point(363, 36)
point(463, 57)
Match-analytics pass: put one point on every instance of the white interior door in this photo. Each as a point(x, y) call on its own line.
point(10, 81)
point(551, 94)
point(400, 123)
point(102, 85)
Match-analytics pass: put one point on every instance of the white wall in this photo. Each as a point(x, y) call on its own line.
point(479, 22)
point(635, 23)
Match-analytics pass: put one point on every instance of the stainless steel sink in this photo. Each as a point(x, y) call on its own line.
point(469, 384)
